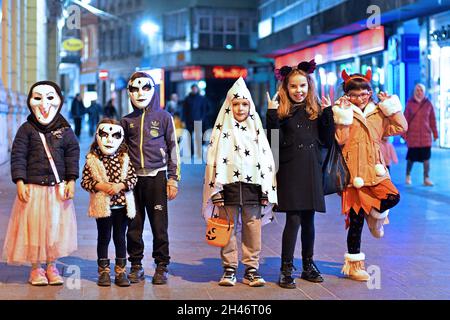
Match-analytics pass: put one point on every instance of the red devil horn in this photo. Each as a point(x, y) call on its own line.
point(368, 75)
point(344, 75)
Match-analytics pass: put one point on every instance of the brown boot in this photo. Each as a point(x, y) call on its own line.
point(121, 278)
point(354, 267)
point(104, 279)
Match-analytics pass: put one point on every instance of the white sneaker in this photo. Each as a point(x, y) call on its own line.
point(408, 180)
point(228, 278)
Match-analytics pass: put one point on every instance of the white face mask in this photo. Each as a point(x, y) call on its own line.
point(109, 138)
point(44, 103)
point(141, 91)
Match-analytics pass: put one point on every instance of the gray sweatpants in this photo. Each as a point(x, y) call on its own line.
point(251, 236)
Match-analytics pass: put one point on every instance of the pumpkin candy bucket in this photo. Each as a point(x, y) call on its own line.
point(218, 230)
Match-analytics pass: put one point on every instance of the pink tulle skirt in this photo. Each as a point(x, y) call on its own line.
point(43, 229)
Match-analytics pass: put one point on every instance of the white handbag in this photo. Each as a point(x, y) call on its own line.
point(61, 185)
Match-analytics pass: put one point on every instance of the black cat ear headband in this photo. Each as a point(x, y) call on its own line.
point(305, 66)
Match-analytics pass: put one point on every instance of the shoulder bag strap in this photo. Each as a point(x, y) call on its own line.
point(50, 158)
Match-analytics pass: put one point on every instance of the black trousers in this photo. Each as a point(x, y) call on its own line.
point(151, 197)
point(295, 219)
point(357, 223)
point(118, 222)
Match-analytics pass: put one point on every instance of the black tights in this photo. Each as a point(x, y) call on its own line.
point(357, 223)
point(293, 221)
point(118, 222)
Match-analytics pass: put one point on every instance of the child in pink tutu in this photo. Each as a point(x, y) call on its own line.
point(388, 152)
point(44, 166)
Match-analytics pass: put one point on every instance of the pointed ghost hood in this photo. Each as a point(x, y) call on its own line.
point(238, 151)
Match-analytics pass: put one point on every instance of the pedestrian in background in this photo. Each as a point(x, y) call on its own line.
point(78, 110)
point(172, 105)
point(419, 113)
point(95, 111)
point(110, 111)
point(388, 152)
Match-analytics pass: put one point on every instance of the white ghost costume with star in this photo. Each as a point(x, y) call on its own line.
point(239, 151)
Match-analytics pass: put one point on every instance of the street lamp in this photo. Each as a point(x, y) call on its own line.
point(149, 28)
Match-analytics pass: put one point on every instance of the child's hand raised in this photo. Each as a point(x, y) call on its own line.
point(383, 96)
point(344, 102)
point(23, 192)
point(325, 102)
point(272, 103)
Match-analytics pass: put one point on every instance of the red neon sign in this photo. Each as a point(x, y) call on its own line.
point(229, 72)
point(193, 73)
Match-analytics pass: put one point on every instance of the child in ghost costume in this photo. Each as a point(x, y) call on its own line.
point(110, 178)
point(239, 181)
point(360, 126)
point(44, 166)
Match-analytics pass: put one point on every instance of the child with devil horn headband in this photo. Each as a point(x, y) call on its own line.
point(370, 193)
point(305, 127)
point(44, 166)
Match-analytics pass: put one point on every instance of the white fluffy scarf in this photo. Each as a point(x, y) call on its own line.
point(100, 202)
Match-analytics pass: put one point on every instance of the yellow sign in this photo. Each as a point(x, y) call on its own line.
point(72, 44)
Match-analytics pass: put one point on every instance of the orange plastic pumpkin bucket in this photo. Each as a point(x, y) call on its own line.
point(218, 231)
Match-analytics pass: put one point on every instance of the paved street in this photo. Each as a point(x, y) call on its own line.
point(412, 260)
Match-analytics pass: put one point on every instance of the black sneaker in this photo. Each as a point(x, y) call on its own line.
point(310, 271)
point(136, 273)
point(286, 280)
point(160, 276)
point(228, 278)
point(253, 278)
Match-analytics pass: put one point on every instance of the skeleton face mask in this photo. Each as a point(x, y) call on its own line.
point(109, 138)
point(44, 103)
point(141, 91)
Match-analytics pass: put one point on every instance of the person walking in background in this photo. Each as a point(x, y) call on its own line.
point(194, 109)
point(388, 152)
point(110, 111)
point(77, 111)
point(419, 113)
point(94, 111)
point(172, 105)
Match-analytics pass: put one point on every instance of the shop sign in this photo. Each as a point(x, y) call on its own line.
point(72, 44)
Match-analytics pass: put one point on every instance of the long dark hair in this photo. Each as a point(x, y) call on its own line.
point(123, 148)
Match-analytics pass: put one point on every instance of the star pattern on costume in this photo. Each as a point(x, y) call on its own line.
point(219, 126)
point(263, 151)
point(237, 148)
point(256, 140)
point(243, 97)
point(258, 166)
point(236, 96)
point(211, 184)
point(237, 125)
point(216, 174)
point(227, 110)
point(236, 174)
point(247, 152)
point(262, 175)
point(244, 128)
point(225, 160)
point(257, 132)
point(270, 169)
point(226, 135)
point(248, 178)
point(274, 188)
point(252, 116)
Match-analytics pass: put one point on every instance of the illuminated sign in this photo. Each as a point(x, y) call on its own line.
point(229, 72)
point(365, 42)
point(193, 73)
point(72, 44)
point(103, 74)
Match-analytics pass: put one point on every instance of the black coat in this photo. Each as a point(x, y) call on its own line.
point(195, 108)
point(299, 177)
point(242, 194)
point(29, 161)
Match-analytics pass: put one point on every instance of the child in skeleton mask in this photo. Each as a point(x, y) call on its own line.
point(239, 180)
point(110, 178)
point(151, 137)
point(44, 166)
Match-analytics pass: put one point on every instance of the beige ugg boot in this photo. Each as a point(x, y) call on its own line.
point(375, 221)
point(354, 267)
